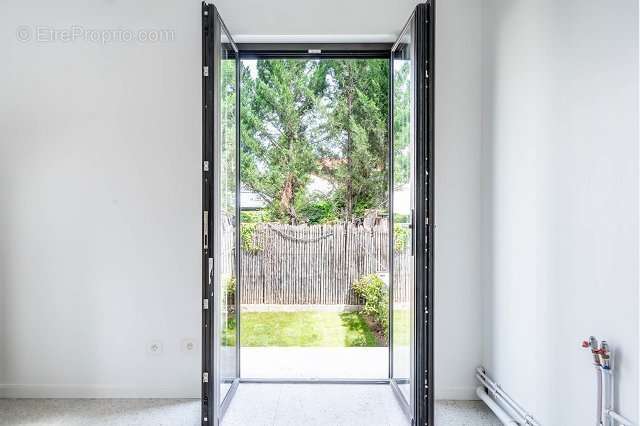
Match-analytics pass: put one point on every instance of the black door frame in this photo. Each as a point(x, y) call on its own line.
point(212, 29)
point(423, 413)
point(207, 262)
point(421, 24)
point(424, 218)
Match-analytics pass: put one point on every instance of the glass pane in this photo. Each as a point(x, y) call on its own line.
point(402, 140)
point(228, 174)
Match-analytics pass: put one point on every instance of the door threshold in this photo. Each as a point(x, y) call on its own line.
point(328, 381)
point(228, 397)
point(402, 400)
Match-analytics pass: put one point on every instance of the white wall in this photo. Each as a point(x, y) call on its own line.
point(458, 135)
point(100, 202)
point(561, 200)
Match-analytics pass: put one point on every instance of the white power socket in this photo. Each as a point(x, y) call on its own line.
point(188, 345)
point(155, 347)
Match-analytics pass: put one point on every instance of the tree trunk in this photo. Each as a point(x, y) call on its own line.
point(349, 151)
point(287, 197)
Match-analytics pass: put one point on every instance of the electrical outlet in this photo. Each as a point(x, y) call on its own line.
point(155, 347)
point(188, 345)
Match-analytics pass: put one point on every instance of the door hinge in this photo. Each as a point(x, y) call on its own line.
point(205, 227)
point(205, 377)
point(205, 304)
point(205, 71)
point(426, 74)
point(205, 166)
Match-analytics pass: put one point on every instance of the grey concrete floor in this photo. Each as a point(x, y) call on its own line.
point(314, 405)
point(93, 412)
point(344, 405)
point(254, 404)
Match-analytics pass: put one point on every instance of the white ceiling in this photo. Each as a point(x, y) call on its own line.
point(315, 20)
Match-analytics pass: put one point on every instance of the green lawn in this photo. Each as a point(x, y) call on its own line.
point(401, 327)
point(301, 329)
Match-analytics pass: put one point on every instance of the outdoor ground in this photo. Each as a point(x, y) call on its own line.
point(303, 329)
point(317, 343)
point(314, 362)
point(311, 328)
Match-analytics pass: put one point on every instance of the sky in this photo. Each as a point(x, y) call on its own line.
point(252, 64)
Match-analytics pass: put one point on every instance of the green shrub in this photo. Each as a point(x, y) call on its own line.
point(317, 210)
point(376, 299)
point(230, 286)
point(247, 240)
point(257, 216)
point(400, 238)
point(229, 289)
point(401, 218)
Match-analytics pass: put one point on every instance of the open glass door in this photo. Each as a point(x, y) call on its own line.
point(411, 221)
point(220, 357)
point(402, 217)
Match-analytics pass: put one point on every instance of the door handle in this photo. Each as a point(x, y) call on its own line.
point(412, 228)
point(205, 230)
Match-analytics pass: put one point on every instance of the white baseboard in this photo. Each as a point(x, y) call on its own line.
point(96, 391)
point(135, 391)
point(457, 394)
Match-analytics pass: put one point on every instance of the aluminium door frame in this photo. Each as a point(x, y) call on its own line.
point(423, 20)
point(425, 13)
point(424, 223)
point(207, 262)
point(321, 381)
point(316, 51)
point(212, 409)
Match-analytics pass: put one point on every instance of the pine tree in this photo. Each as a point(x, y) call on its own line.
point(277, 157)
point(354, 151)
point(316, 117)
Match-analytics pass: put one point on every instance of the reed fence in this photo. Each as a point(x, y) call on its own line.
point(314, 264)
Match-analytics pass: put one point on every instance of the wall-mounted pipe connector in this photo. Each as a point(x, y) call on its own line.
point(605, 403)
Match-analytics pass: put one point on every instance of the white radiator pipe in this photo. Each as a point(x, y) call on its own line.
point(600, 396)
point(496, 390)
point(622, 420)
point(502, 415)
point(605, 403)
point(610, 417)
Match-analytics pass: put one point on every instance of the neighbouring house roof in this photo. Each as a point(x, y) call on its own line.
point(318, 184)
point(250, 200)
point(331, 163)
